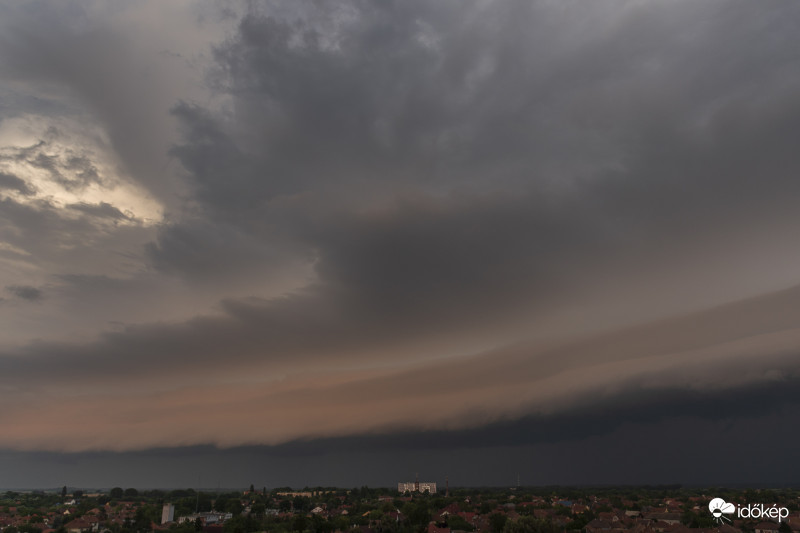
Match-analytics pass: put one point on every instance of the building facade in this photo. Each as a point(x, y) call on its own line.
point(417, 486)
point(167, 513)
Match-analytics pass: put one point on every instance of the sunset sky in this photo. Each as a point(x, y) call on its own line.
point(339, 243)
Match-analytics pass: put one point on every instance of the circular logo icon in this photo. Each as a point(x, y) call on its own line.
point(718, 507)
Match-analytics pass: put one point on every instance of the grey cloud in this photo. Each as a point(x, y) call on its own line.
point(422, 255)
point(39, 225)
point(44, 241)
point(92, 53)
point(25, 292)
point(686, 366)
point(354, 114)
point(12, 182)
point(201, 251)
point(452, 176)
point(309, 112)
point(100, 210)
point(601, 417)
point(102, 282)
point(412, 272)
point(692, 456)
point(385, 103)
point(71, 170)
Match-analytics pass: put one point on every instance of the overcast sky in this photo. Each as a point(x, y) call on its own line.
point(298, 243)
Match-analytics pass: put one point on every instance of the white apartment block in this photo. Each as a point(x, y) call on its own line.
point(417, 486)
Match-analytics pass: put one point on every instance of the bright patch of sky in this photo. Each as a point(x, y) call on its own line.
point(65, 162)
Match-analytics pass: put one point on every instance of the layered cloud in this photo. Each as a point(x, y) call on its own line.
point(285, 222)
point(707, 357)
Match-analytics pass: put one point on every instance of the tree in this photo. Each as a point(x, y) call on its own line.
point(322, 526)
point(131, 493)
point(459, 523)
point(299, 523)
point(185, 527)
point(64, 492)
point(145, 515)
point(116, 492)
point(417, 512)
point(341, 522)
point(581, 520)
point(301, 503)
point(497, 522)
point(234, 507)
point(694, 520)
point(529, 524)
point(258, 509)
point(221, 504)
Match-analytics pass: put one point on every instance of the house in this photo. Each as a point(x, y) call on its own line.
point(767, 527)
point(79, 525)
point(451, 509)
point(667, 518)
point(433, 528)
point(597, 525)
point(578, 508)
point(727, 528)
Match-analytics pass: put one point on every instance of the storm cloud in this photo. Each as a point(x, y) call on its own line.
point(369, 220)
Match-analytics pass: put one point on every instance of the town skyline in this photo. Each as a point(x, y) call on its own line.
point(372, 510)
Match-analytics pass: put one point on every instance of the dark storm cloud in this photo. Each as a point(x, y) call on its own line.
point(427, 162)
point(403, 257)
point(693, 366)
point(679, 450)
point(446, 177)
point(407, 274)
point(394, 97)
point(202, 251)
point(635, 407)
point(365, 103)
point(385, 96)
point(25, 292)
